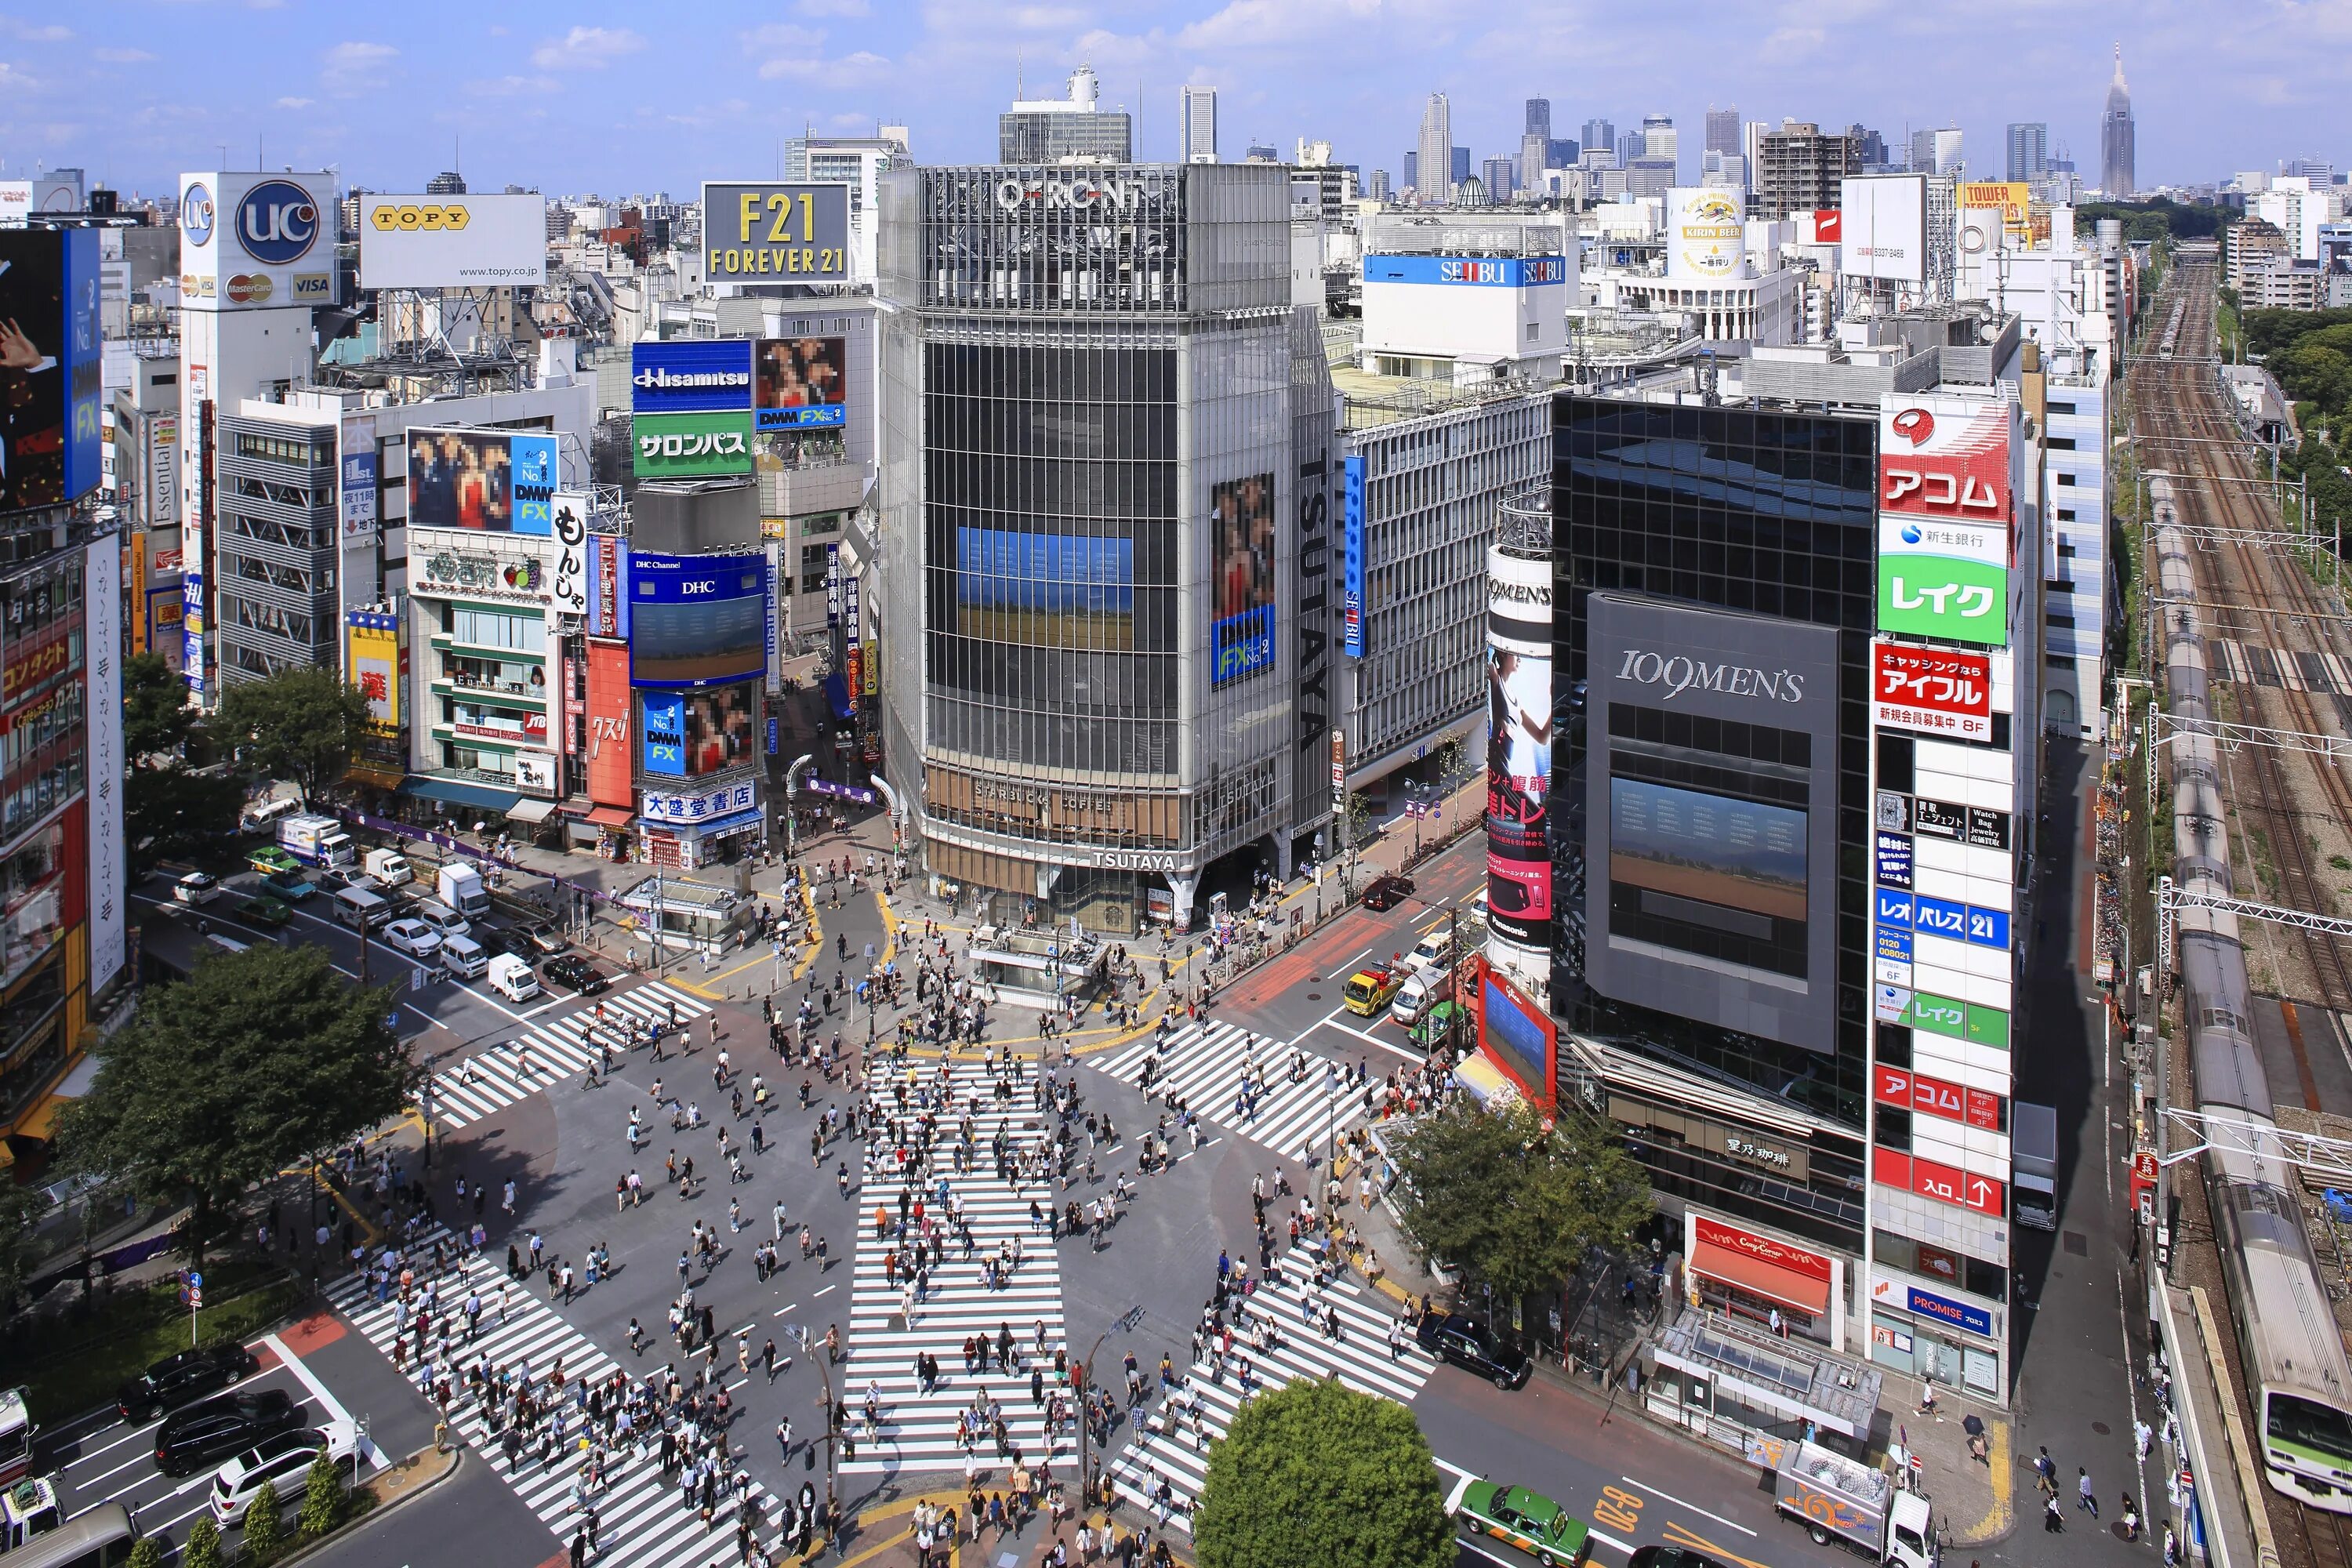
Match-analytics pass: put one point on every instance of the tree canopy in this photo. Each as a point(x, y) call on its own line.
point(169, 811)
point(1316, 1475)
point(303, 722)
point(257, 1060)
point(1510, 1202)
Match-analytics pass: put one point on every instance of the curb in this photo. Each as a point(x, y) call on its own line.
point(457, 1461)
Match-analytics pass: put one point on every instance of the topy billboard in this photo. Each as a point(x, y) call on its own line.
point(49, 373)
point(452, 241)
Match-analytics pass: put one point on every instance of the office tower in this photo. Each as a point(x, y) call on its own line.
point(448, 182)
point(1501, 180)
point(1436, 152)
point(1461, 164)
point(1869, 145)
point(1535, 150)
point(1598, 136)
point(1649, 176)
point(1065, 129)
point(1723, 131)
point(1196, 112)
point(1539, 117)
point(1936, 151)
point(1659, 138)
point(1798, 168)
point(1378, 188)
point(2029, 150)
point(1413, 172)
point(1630, 146)
point(1260, 152)
point(2118, 137)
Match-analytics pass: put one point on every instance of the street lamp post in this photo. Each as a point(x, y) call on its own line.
point(833, 1420)
point(1080, 1379)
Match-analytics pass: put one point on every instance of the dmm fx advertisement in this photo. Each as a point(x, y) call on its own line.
point(1241, 632)
point(774, 230)
point(491, 481)
point(1948, 580)
point(708, 375)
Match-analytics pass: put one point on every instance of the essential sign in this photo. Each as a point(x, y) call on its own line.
point(775, 232)
point(1935, 692)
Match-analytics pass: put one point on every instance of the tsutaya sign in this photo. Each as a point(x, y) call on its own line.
point(1120, 195)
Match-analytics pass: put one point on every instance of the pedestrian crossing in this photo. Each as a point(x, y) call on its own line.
point(640, 1521)
point(917, 1430)
point(541, 1055)
point(1206, 1066)
point(1359, 1356)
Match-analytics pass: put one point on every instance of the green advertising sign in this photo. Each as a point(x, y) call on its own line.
point(1938, 1015)
point(1988, 1026)
point(1943, 596)
point(693, 445)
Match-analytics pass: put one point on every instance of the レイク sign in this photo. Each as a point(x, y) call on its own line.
point(1932, 690)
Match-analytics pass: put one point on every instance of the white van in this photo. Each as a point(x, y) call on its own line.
point(1411, 1000)
point(511, 978)
point(446, 922)
point(1433, 952)
point(362, 910)
point(261, 818)
point(462, 957)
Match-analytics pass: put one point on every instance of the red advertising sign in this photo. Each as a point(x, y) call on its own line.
point(1828, 226)
point(1949, 459)
point(1932, 690)
point(1917, 1091)
point(1929, 1179)
point(608, 723)
point(1763, 1248)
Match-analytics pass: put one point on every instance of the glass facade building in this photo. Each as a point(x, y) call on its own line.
point(1746, 516)
point(1095, 613)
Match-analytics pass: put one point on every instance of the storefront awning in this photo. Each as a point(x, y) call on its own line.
point(532, 810)
point(36, 1123)
point(482, 797)
point(1484, 1079)
point(836, 693)
point(612, 816)
point(1760, 1279)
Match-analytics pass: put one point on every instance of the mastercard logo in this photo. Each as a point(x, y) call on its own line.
point(248, 288)
point(1915, 425)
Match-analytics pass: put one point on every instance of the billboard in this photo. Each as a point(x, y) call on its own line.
point(695, 375)
point(102, 581)
point(373, 660)
point(1241, 567)
point(608, 724)
point(1518, 747)
point(662, 716)
point(254, 241)
point(697, 620)
point(774, 232)
point(50, 390)
point(801, 383)
point(163, 499)
point(1706, 237)
point(452, 242)
point(1885, 227)
point(1517, 1033)
point(571, 524)
point(2012, 199)
point(1935, 692)
point(692, 446)
point(608, 606)
point(1351, 637)
point(1946, 580)
point(1945, 456)
point(359, 480)
point(1711, 811)
point(1051, 590)
point(491, 481)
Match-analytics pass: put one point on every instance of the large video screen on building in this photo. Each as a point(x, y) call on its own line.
point(697, 620)
point(1049, 590)
point(799, 382)
point(1711, 817)
point(1241, 627)
point(1519, 748)
point(50, 381)
point(491, 481)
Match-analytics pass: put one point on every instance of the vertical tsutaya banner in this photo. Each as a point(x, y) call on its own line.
point(1518, 746)
point(1353, 638)
point(1241, 627)
point(108, 887)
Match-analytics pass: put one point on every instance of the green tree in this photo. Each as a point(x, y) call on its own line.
point(147, 1552)
point(303, 722)
point(323, 1497)
point(254, 1061)
point(1513, 1204)
point(203, 1547)
point(172, 812)
point(265, 1529)
point(155, 712)
point(1316, 1475)
point(21, 1207)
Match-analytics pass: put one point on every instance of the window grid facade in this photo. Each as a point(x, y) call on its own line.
point(275, 603)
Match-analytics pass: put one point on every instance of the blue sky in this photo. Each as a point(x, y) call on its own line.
point(580, 97)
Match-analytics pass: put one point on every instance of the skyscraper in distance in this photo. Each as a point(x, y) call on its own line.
point(1434, 166)
point(1722, 130)
point(1412, 172)
point(1599, 135)
point(1461, 164)
point(1538, 118)
point(2118, 137)
point(1197, 122)
point(2029, 150)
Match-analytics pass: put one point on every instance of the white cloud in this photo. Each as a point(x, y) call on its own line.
point(847, 71)
point(784, 36)
point(511, 86)
point(121, 57)
point(51, 34)
point(587, 48)
point(835, 8)
point(296, 102)
point(355, 67)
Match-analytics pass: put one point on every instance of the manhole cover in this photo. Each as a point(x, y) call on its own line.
point(2118, 1532)
point(1314, 995)
point(2101, 1427)
point(2076, 1243)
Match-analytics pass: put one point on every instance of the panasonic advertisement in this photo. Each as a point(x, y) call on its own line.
point(1711, 799)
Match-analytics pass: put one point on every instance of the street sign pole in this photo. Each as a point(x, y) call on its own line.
point(195, 1300)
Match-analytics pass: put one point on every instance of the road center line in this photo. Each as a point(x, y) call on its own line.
point(1681, 1502)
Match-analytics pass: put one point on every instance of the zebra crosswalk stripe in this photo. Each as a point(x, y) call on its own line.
point(641, 1523)
point(489, 1081)
point(917, 1430)
point(1205, 1064)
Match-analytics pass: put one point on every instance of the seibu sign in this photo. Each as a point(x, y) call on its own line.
point(1764, 1250)
point(1932, 690)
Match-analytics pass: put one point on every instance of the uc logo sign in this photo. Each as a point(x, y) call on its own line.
point(197, 214)
point(277, 222)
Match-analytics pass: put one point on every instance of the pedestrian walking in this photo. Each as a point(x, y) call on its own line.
point(2085, 1499)
point(2052, 1521)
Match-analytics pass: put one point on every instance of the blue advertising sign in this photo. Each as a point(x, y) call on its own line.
point(50, 381)
point(1939, 917)
point(1490, 272)
point(702, 375)
point(277, 223)
point(1893, 907)
point(1894, 944)
point(1351, 637)
point(772, 734)
point(535, 478)
point(85, 380)
point(664, 727)
point(697, 620)
point(1895, 860)
point(1958, 1314)
point(1989, 928)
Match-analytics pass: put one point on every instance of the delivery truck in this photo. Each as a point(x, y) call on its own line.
point(390, 868)
point(1835, 1497)
point(318, 841)
point(2033, 1131)
point(460, 887)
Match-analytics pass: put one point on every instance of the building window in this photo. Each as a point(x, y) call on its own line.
point(2065, 478)
point(2062, 408)
point(2059, 443)
point(813, 568)
point(490, 628)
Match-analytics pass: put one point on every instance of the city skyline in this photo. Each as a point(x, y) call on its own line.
point(574, 100)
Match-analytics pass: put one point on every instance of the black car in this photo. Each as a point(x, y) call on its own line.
point(507, 941)
point(177, 1379)
point(576, 973)
point(1671, 1557)
point(1469, 1343)
point(224, 1424)
point(1388, 892)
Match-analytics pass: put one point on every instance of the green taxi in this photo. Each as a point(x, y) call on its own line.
point(1432, 1025)
point(271, 860)
point(1529, 1520)
point(264, 912)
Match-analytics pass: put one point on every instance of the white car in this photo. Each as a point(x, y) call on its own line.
point(414, 938)
point(284, 1462)
point(196, 888)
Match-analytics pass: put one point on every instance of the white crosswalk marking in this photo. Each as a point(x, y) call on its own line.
point(641, 1523)
point(1359, 1358)
point(1207, 1065)
point(541, 1055)
point(917, 1430)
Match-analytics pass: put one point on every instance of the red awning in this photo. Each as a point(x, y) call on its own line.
point(1760, 1279)
point(611, 816)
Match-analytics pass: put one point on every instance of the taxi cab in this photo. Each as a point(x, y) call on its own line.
point(1369, 989)
point(1529, 1520)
